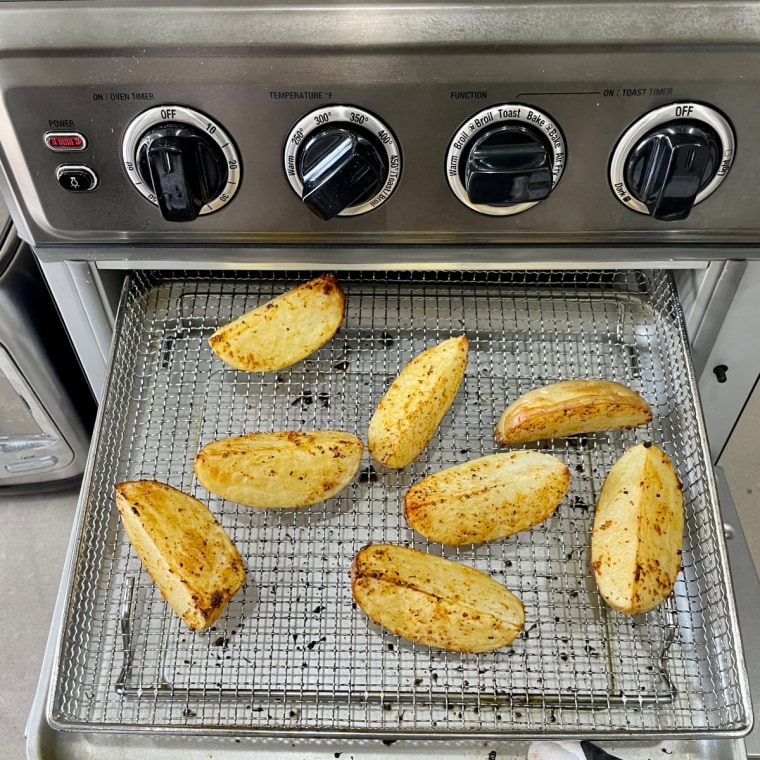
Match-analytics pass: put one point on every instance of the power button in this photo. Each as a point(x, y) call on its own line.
point(76, 178)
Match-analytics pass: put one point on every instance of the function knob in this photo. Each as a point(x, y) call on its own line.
point(505, 159)
point(672, 159)
point(182, 161)
point(342, 161)
point(506, 165)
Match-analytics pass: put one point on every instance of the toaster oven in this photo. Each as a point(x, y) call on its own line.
point(568, 184)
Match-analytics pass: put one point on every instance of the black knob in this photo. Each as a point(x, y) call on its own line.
point(720, 373)
point(671, 165)
point(184, 167)
point(340, 166)
point(506, 165)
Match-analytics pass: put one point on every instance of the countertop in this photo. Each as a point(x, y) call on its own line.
point(34, 535)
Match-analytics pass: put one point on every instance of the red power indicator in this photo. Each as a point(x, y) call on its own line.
point(65, 141)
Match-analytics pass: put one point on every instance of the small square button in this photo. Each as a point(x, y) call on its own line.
point(76, 179)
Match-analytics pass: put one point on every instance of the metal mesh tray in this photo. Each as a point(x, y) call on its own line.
point(292, 654)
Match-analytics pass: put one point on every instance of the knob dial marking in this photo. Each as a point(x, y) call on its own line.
point(212, 131)
point(641, 130)
point(349, 118)
point(471, 134)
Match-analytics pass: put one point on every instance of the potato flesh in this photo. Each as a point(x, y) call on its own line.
point(570, 407)
point(184, 548)
point(434, 601)
point(410, 412)
point(279, 470)
point(282, 331)
point(488, 498)
point(638, 529)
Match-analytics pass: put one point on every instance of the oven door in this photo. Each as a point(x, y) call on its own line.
point(162, 399)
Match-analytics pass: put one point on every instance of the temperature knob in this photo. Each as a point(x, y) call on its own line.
point(672, 159)
point(342, 161)
point(505, 159)
point(182, 161)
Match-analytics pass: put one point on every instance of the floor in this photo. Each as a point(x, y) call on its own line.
point(34, 533)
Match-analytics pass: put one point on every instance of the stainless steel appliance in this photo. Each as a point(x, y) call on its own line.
point(46, 409)
point(571, 184)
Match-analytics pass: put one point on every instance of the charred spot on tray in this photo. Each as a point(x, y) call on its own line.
point(647, 444)
point(306, 398)
point(578, 503)
point(220, 641)
point(188, 713)
point(368, 475)
point(387, 339)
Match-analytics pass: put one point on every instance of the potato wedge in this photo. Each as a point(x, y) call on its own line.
point(284, 330)
point(434, 601)
point(570, 407)
point(184, 548)
point(279, 470)
point(638, 531)
point(408, 415)
point(488, 498)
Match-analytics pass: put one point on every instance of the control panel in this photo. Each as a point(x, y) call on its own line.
point(342, 160)
point(366, 157)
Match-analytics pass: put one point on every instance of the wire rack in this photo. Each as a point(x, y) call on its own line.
point(292, 654)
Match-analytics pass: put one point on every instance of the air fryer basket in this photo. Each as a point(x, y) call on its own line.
point(292, 654)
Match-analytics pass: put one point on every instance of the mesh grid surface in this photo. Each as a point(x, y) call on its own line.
point(292, 653)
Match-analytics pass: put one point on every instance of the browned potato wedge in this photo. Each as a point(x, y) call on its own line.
point(570, 407)
point(434, 601)
point(279, 470)
point(638, 531)
point(487, 498)
point(412, 409)
point(184, 548)
point(284, 330)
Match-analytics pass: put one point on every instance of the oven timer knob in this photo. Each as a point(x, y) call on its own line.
point(182, 161)
point(671, 159)
point(342, 161)
point(505, 159)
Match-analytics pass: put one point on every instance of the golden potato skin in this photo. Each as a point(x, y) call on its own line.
point(410, 412)
point(637, 536)
point(487, 498)
point(184, 548)
point(434, 601)
point(570, 407)
point(284, 330)
point(279, 470)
